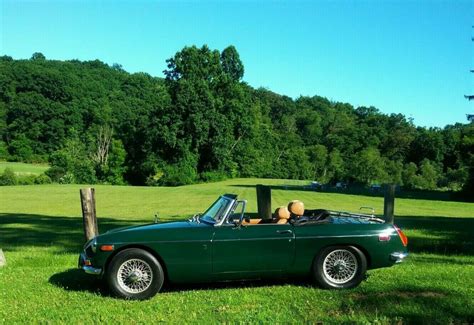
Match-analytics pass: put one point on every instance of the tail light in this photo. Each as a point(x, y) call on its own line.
point(402, 236)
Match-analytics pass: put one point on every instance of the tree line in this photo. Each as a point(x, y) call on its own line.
point(96, 123)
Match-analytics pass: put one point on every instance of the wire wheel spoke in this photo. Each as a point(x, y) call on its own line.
point(134, 276)
point(340, 266)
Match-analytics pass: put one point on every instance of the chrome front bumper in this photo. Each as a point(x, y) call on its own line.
point(398, 257)
point(89, 269)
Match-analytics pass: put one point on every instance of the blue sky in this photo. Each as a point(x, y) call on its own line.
point(410, 57)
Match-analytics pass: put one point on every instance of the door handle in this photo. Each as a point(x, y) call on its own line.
point(284, 231)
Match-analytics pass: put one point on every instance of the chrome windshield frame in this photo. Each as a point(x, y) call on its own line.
point(226, 214)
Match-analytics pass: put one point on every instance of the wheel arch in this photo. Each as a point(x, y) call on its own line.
point(359, 247)
point(138, 246)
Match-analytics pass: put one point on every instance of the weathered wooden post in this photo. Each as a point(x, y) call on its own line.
point(3, 260)
point(389, 202)
point(264, 201)
point(88, 213)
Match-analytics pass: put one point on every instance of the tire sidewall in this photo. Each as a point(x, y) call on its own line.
point(326, 283)
point(134, 253)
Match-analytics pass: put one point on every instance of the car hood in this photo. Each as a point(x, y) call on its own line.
point(154, 226)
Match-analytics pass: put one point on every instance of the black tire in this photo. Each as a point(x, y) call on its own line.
point(345, 267)
point(147, 272)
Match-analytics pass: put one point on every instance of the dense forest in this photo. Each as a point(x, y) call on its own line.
point(96, 123)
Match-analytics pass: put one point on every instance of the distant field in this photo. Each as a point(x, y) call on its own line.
point(23, 169)
point(41, 234)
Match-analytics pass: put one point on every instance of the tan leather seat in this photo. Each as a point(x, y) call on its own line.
point(282, 215)
point(296, 208)
point(252, 222)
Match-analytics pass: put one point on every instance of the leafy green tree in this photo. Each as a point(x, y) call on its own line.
point(231, 64)
point(21, 149)
point(409, 175)
point(182, 173)
point(397, 138)
point(428, 177)
point(38, 56)
point(393, 171)
point(74, 160)
point(293, 163)
point(195, 64)
point(8, 177)
point(336, 166)
point(428, 144)
point(56, 173)
point(468, 187)
point(454, 179)
point(368, 167)
point(467, 158)
point(318, 156)
point(203, 120)
point(3, 151)
point(42, 179)
point(113, 170)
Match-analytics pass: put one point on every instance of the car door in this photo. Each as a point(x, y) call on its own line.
point(225, 261)
point(266, 248)
point(252, 251)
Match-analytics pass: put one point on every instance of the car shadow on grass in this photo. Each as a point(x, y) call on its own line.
point(238, 284)
point(77, 280)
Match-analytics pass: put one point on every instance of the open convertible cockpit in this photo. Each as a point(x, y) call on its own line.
point(227, 210)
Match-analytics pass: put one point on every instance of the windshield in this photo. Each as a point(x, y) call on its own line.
point(216, 211)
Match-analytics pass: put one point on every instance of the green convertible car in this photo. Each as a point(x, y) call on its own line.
point(224, 244)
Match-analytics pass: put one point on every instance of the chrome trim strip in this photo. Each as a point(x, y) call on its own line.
point(147, 243)
point(335, 236)
point(254, 239)
point(398, 257)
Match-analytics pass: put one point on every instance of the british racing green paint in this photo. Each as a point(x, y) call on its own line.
point(201, 251)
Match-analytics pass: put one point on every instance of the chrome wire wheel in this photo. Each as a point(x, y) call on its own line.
point(134, 275)
point(340, 266)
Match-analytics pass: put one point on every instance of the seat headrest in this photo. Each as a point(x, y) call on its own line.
point(296, 207)
point(282, 213)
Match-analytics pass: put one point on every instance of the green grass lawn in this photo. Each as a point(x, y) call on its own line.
point(23, 168)
point(41, 235)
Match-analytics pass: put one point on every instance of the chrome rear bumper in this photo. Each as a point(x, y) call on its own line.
point(398, 257)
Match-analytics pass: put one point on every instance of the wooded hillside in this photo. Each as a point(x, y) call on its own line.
point(98, 123)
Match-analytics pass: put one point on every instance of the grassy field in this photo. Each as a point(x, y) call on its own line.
point(41, 235)
point(22, 168)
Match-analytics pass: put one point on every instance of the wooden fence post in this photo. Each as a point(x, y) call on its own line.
point(264, 201)
point(3, 260)
point(389, 203)
point(88, 213)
